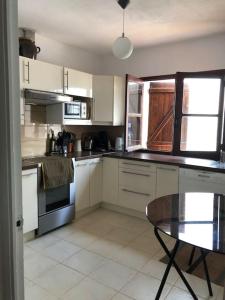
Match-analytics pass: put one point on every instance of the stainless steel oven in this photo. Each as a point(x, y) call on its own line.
point(56, 206)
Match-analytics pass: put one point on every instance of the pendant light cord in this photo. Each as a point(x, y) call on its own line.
point(123, 22)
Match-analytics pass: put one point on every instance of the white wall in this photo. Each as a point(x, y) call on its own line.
point(68, 56)
point(193, 55)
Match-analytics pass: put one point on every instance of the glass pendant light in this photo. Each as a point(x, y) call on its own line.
point(122, 47)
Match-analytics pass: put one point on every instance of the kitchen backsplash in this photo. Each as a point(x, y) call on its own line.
point(34, 134)
point(34, 131)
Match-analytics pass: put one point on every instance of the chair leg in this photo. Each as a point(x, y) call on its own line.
point(191, 256)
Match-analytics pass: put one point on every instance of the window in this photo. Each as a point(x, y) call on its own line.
point(178, 114)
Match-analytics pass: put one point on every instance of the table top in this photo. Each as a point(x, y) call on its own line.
point(194, 218)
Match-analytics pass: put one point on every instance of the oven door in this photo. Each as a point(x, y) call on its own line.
point(72, 110)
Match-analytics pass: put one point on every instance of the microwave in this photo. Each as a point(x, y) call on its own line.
point(76, 110)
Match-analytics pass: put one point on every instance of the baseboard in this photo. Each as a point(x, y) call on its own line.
point(123, 210)
point(83, 212)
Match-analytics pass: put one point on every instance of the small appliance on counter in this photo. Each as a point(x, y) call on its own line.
point(88, 143)
point(102, 142)
point(119, 144)
point(77, 146)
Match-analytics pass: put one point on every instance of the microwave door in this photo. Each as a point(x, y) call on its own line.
point(73, 110)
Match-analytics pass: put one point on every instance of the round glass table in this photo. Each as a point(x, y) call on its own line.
point(194, 218)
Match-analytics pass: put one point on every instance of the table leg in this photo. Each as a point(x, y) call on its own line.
point(171, 262)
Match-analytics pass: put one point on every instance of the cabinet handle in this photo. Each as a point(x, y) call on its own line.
point(203, 176)
point(166, 169)
point(138, 165)
point(145, 175)
point(28, 72)
point(137, 193)
point(67, 79)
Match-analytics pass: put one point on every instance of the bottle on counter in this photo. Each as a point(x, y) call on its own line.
point(52, 142)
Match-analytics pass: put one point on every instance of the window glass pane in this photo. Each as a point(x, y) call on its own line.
point(199, 134)
point(161, 115)
point(133, 131)
point(135, 94)
point(201, 96)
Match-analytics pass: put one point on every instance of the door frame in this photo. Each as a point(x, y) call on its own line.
point(11, 236)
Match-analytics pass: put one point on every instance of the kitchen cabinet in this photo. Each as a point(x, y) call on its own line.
point(95, 173)
point(137, 182)
point(108, 100)
point(167, 180)
point(29, 200)
point(88, 180)
point(82, 185)
point(110, 180)
point(77, 83)
point(201, 181)
point(39, 75)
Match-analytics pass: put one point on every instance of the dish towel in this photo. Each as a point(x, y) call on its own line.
point(57, 171)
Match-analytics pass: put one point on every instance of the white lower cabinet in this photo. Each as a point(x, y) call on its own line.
point(88, 180)
point(29, 200)
point(167, 180)
point(110, 180)
point(136, 184)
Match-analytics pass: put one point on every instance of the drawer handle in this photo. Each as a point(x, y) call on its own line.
point(138, 165)
point(137, 193)
point(28, 72)
point(203, 176)
point(145, 175)
point(166, 169)
point(29, 174)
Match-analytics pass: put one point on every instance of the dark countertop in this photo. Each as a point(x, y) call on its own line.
point(34, 162)
point(186, 162)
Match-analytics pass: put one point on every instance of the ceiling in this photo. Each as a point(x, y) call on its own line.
point(95, 24)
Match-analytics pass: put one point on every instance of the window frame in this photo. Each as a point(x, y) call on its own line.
point(179, 77)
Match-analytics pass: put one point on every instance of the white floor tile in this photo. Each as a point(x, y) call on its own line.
point(37, 293)
point(64, 231)
point(59, 280)
point(113, 275)
point(143, 287)
point(61, 250)
point(36, 264)
point(120, 296)
point(85, 261)
point(199, 286)
point(138, 226)
point(42, 242)
point(89, 289)
point(147, 243)
point(134, 258)
point(106, 248)
point(81, 238)
point(179, 294)
point(156, 269)
point(121, 235)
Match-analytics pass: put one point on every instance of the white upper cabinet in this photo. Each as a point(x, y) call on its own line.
point(167, 180)
point(77, 83)
point(40, 75)
point(109, 100)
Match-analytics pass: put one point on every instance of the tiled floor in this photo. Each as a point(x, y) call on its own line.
point(105, 255)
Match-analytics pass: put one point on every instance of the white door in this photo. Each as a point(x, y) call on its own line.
point(167, 180)
point(30, 200)
point(39, 75)
point(82, 185)
point(110, 180)
point(95, 168)
point(103, 94)
point(77, 83)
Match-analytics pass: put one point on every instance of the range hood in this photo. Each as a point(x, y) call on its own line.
point(44, 98)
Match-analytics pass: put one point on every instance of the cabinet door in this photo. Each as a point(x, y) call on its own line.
point(95, 168)
point(103, 93)
point(167, 179)
point(110, 180)
point(77, 83)
point(41, 76)
point(119, 101)
point(29, 200)
point(82, 185)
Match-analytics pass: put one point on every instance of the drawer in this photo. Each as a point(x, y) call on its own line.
point(141, 181)
point(212, 177)
point(137, 165)
point(134, 200)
